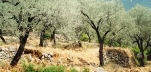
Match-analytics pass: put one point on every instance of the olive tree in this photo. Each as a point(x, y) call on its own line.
point(2, 21)
point(50, 19)
point(24, 18)
point(142, 35)
point(61, 17)
point(4, 17)
point(69, 19)
point(103, 17)
point(121, 37)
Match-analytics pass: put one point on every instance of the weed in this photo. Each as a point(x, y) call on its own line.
point(85, 70)
point(74, 70)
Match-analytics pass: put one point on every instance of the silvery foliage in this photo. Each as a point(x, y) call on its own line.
point(142, 19)
point(62, 15)
point(17, 16)
point(113, 15)
point(50, 15)
point(5, 15)
point(70, 19)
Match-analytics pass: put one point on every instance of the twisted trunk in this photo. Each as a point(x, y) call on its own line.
point(42, 38)
point(142, 52)
point(80, 44)
point(89, 37)
point(1, 36)
point(53, 36)
point(23, 40)
point(101, 48)
point(139, 42)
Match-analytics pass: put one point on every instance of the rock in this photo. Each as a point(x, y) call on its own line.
point(8, 53)
point(47, 56)
point(116, 66)
point(93, 64)
point(1, 50)
point(121, 57)
point(100, 69)
point(1, 60)
point(5, 49)
point(13, 49)
point(69, 59)
point(30, 58)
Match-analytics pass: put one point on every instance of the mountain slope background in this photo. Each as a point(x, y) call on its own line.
point(128, 4)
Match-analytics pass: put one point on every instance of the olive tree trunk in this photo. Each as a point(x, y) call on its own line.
point(42, 38)
point(140, 45)
point(1, 36)
point(53, 38)
point(101, 48)
point(23, 41)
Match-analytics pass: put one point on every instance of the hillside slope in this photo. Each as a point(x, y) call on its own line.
point(79, 58)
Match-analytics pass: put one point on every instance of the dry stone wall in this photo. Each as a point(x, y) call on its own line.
point(123, 57)
point(7, 54)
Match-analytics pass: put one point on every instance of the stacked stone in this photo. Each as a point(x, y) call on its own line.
point(106, 58)
point(47, 56)
point(6, 54)
point(117, 56)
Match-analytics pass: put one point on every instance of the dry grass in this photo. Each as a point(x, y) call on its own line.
point(78, 58)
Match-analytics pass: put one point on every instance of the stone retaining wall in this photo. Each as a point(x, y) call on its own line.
point(7, 54)
point(123, 57)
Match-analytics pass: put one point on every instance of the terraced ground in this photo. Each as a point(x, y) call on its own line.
point(79, 58)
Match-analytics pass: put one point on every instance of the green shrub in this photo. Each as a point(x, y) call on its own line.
point(106, 42)
point(29, 68)
point(40, 68)
point(145, 59)
point(84, 37)
point(74, 70)
point(116, 44)
point(47, 36)
point(137, 51)
point(54, 69)
point(85, 70)
point(148, 54)
point(125, 46)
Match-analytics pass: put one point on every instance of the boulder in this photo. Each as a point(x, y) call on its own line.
point(1, 50)
point(47, 56)
point(100, 69)
point(13, 49)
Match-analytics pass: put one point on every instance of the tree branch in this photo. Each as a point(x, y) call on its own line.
point(4, 1)
point(99, 22)
point(1, 14)
point(138, 40)
point(148, 43)
point(91, 22)
point(104, 36)
point(17, 4)
point(30, 19)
